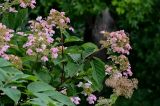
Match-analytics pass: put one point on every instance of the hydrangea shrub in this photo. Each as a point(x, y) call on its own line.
point(44, 65)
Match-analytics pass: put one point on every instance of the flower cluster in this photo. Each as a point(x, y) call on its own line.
point(64, 91)
point(9, 5)
point(116, 42)
point(122, 86)
point(87, 91)
point(16, 61)
point(5, 37)
point(119, 68)
point(27, 3)
point(91, 99)
point(120, 64)
point(40, 44)
point(76, 100)
point(59, 20)
point(12, 9)
point(40, 40)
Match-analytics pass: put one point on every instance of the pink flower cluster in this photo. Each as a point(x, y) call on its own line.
point(91, 99)
point(27, 3)
point(40, 40)
point(12, 9)
point(117, 41)
point(88, 91)
point(120, 42)
point(59, 19)
point(108, 69)
point(76, 100)
point(8, 5)
point(128, 72)
point(5, 37)
point(40, 44)
point(123, 63)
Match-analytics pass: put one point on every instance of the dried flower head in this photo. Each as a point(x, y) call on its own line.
point(122, 86)
point(16, 61)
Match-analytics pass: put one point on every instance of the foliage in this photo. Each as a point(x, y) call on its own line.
point(145, 55)
point(140, 18)
point(80, 11)
point(43, 64)
point(133, 11)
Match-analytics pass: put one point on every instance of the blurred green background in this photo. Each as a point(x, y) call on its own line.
point(140, 18)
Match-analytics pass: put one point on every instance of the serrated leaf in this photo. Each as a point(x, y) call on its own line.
point(98, 72)
point(89, 49)
point(71, 69)
point(75, 57)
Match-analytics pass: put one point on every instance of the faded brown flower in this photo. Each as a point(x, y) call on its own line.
point(122, 86)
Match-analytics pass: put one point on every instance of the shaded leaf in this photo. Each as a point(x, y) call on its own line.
point(39, 87)
point(71, 69)
point(60, 97)
point(98, 72)
point(4, 63)
point(14, 94)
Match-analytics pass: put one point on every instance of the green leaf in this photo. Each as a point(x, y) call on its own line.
point(43, 75)
point(98, 72)
point(71, 69)
point(65, 33)
point(89, 49)
point(72, 39)
point(113, 98)
point(75, 57)
point(11, 70)
point(3, 75)
point(15, 20)
point(4, 63)
point(37, 101)
point(42, 100)
point(87, 46)
point(39, 87)
point(14, 94)
point(73, 50)
point(23, 76)
point(60, 97)
point(71, 89)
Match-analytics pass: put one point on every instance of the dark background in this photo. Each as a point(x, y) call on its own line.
point(139, 18)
